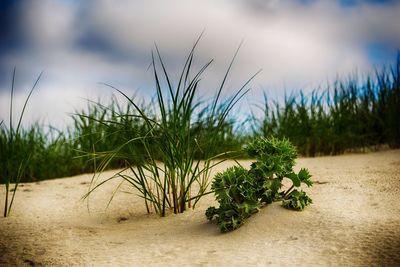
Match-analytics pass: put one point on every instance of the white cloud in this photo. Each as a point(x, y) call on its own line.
point(295, 44)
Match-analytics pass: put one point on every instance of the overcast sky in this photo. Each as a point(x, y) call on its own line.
point(79, 44)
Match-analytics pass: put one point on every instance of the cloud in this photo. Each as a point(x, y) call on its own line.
point(297, 43)
point(289, 40)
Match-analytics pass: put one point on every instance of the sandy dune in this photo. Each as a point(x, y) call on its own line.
point(354, 221)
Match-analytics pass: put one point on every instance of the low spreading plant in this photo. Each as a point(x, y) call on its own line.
point(241, 192)
point(296, 200)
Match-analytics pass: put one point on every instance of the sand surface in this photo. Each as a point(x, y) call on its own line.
point(354, 221)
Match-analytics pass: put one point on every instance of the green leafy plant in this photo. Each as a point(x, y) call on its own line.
point(296, 200)
point(242, 192)
point(12, 168)
point(236, 191)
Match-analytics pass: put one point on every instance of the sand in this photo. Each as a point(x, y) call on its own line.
point(354, 221)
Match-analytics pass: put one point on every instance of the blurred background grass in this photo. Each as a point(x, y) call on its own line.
point(353, 114)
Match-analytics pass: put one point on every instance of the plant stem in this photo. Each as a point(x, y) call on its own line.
point(6, 201)
point(288, 191)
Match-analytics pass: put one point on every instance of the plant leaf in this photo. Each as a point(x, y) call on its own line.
point(295, 179)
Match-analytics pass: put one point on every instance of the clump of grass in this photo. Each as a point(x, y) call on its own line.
point(36, 152)
point(52, 153)
point(168, 170)
point(354, 114)
point(102, 128)
point(242, 192)
point(13, 165)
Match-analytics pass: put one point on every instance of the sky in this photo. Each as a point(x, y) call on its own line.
point(298, 44)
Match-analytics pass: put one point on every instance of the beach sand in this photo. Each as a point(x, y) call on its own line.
point(354, 221)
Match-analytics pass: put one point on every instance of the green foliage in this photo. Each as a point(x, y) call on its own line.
point(11, 167)
point(236, 191)
point(242, 192)
point(349, 115)
point(51, 154)
point(352, 114)
point(305, 177)
point(103, 128)
point(296, 200)
point(274, 157)
point(175, 131)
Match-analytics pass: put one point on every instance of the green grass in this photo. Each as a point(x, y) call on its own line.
point(36, 152)
point(103, 128)
point(13, 164)
point(51, 153)
point(175, 134)
point(355, 114)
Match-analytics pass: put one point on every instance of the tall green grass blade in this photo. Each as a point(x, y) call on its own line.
point(11, 142)
point(27, 99)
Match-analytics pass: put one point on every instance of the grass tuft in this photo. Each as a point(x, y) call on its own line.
point(175, 133)
point(353, 115)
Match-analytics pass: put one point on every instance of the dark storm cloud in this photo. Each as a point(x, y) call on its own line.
point(9, 36)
